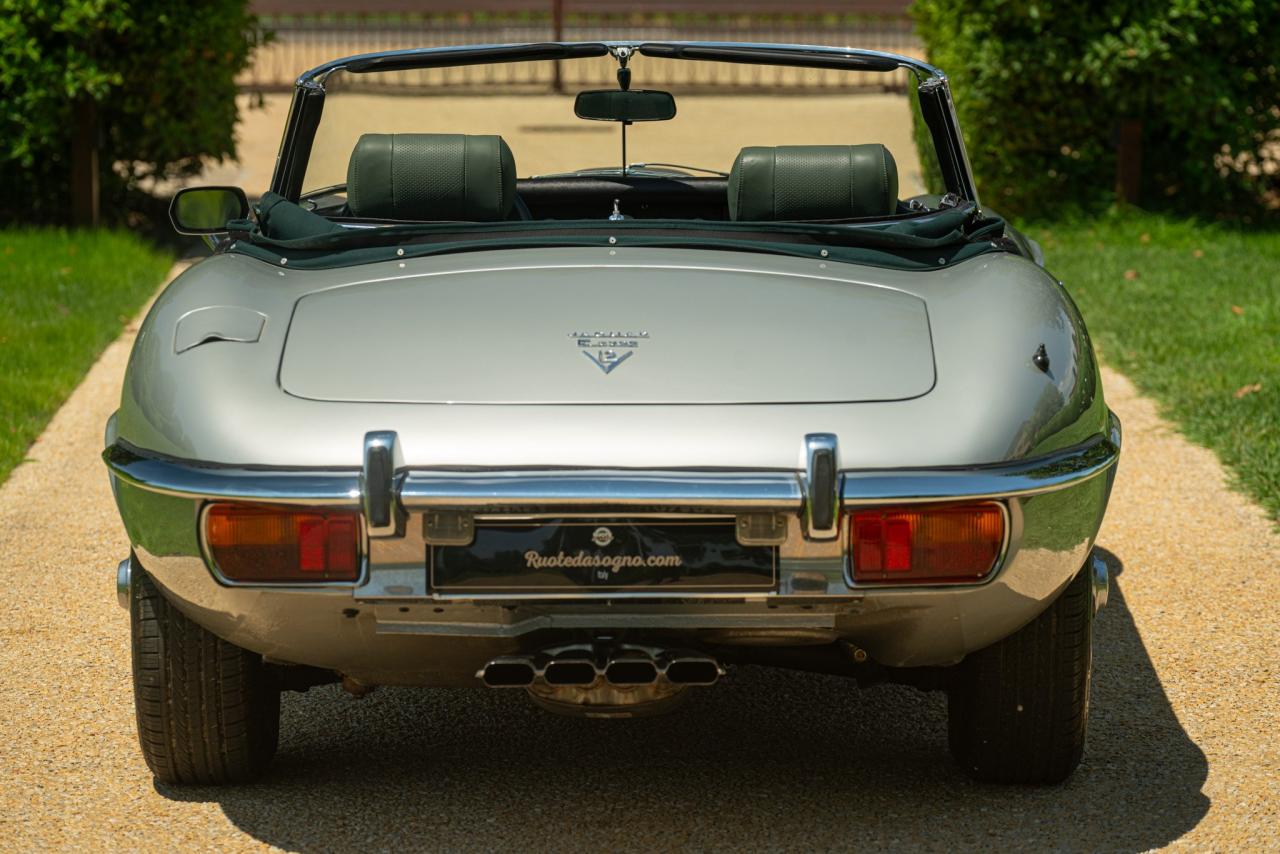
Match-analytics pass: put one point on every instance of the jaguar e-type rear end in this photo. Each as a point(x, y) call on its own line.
point(864, 467)
point(605, 470)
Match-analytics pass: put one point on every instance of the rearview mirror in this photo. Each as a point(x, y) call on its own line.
point(205, 210)
point(617, 105)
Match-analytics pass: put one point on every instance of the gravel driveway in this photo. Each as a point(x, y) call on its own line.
point(1182, 748)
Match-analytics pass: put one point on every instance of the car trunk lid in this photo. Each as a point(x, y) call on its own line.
point(608, 335)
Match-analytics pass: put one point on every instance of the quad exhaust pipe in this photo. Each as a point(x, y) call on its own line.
point(621, 667)
point(509, 673)
point(569, 672)
point(693, 670)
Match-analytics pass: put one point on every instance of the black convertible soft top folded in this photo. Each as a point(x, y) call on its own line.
point(925, 240)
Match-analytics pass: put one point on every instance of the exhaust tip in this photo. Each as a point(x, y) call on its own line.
point(508, 674)
point(569, 673)
point(693, 671)
point(631, 672)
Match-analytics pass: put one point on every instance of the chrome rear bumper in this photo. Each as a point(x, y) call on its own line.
point(414, 489)
point(391, 627)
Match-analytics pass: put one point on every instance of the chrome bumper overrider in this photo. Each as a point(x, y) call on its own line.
point(391, 627)
point(1100, 578)
point(124, 582)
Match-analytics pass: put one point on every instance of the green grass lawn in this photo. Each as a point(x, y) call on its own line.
point(1191, 313)
point(64, 297)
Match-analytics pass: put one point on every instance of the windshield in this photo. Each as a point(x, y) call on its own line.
point(547, 138)
point(384, 159)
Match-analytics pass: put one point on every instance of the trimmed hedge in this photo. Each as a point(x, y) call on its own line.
point(1041, 88)
point(161, 72)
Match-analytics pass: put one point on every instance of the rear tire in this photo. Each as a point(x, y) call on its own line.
point(1019, 708)
point(208, 711)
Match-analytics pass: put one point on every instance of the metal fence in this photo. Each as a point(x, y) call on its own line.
point(310, 33)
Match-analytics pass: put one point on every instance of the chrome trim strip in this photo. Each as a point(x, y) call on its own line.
point(1064, 468)
point(594, 620)
point(761, 594)
point(681, 491)
point(185, 479)
point(821, 487)
point(601, 489)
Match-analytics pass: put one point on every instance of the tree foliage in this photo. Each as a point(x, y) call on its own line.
point(1041, 87)
point(160, 72)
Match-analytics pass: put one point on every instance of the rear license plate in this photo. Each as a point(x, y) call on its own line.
point(597, 555)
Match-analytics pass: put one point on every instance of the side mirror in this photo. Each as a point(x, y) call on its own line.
point(619, 105)
point(205, 210)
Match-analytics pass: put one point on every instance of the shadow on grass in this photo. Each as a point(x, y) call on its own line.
point(767, 759)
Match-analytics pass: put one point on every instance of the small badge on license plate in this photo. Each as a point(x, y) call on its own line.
point(599, 555)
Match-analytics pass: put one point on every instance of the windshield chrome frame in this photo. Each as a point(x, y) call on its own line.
point(934, 92)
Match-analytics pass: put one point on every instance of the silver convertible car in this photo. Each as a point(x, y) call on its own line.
point(602, 434)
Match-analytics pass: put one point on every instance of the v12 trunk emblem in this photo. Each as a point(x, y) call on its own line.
point(608, 348)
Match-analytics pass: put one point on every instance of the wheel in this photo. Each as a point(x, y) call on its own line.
point(208, 711)
point(1018, 709)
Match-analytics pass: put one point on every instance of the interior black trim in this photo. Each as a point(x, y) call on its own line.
point(585, 196)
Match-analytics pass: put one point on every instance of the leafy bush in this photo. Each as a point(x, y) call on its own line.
point(161, 72)
point(1041, 87)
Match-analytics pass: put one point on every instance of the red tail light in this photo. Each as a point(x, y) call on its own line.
point(283, 544)
point(935, 544)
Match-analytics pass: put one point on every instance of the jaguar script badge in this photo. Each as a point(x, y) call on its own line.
point(608, 348)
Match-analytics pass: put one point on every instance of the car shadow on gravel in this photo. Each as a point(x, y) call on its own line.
point(767, 759)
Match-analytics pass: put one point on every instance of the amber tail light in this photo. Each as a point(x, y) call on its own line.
point(283, 544)
point(932, 544)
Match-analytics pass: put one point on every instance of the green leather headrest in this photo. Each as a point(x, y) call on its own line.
point(799, 182)
point(431, 176)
